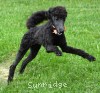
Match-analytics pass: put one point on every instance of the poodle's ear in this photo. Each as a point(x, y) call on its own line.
point(48, 13)
point(50, 10)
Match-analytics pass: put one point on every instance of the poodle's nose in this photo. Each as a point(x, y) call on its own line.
point(61, 30)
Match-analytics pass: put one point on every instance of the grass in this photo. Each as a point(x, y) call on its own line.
point(83, 31)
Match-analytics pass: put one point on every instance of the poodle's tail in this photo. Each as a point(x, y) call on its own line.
point(36, 18)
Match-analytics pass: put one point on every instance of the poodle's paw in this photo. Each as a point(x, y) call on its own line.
point(59, 53)
point(91, 58)
point(9, 79)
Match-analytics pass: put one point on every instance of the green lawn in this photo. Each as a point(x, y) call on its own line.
point(69, 73)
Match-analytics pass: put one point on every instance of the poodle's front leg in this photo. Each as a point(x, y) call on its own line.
point(69, 49)
point(52, 48)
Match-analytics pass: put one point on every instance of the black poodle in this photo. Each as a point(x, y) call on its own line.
point(50, 35)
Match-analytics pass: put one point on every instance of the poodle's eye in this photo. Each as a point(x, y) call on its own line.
point(56, 18)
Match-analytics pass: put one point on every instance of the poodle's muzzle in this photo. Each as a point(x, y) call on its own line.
point(58, 25)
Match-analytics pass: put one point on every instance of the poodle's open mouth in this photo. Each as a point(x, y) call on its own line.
point(55, 31)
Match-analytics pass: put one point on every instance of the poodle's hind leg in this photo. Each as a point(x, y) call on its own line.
point(33, 52)
point(19, 56)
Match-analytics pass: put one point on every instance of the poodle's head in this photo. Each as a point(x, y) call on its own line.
point(57, 15)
